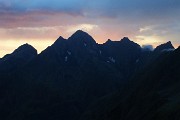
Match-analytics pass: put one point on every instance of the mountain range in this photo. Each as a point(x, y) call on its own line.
point(79, 79)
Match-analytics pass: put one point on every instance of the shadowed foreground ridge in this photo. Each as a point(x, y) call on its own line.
point(78, 79)
point(153, 94)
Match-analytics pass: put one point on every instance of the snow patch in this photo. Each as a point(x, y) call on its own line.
point(85, 44)
point(168, 50)
point(137, 60)
point(112, 59)
point(69, 53)
point(65, 59)
point(100, 52)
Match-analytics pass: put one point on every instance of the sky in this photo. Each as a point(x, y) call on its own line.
point(41, 22)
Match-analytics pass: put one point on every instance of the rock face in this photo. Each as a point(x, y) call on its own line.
point(67, 77)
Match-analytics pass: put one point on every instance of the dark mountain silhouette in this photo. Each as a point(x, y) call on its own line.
point(153, 94)
point(81, 37)
point(18, 58)
point(64, 80)
point(149, 56)
point(165, 46)
point(124, 53)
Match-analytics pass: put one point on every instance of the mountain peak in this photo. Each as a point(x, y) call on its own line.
point(82, 36)
point(80, 31)
point(108, 41)
point(19, 57)
point(125, 39)
point(25, 48)
point(59, 40)
point(164, 46)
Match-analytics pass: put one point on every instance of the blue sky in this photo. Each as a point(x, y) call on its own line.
point(40, 22)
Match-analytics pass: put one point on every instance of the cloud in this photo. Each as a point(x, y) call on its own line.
point(63, 6)
point(85, 27)
point(95, 8)
point(146, 28)
point(154, 40)
point(145, 22)
point(45, 32)
point(132, 11)
point(147, 48)
point(159, 33)
point(136, 9)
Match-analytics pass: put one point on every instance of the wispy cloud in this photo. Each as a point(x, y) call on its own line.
point(146, 28)
point(146, 22)
point(85, 27)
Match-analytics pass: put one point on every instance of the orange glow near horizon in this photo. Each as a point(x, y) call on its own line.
point(41, 22)
point(8, 46)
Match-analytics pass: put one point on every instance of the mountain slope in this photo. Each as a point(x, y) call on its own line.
point(67, 77)
point(73, 68)
point(21, 56)
point(124, 53)
point(165, 46)
point(152, 95)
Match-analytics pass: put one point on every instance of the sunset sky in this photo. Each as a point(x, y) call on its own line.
point(41, 22)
